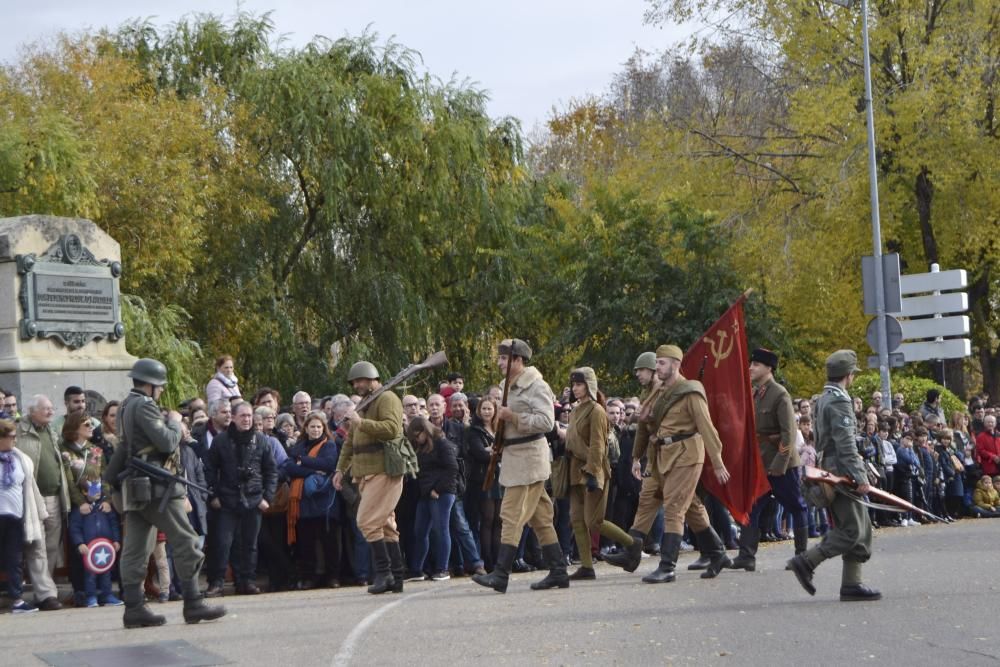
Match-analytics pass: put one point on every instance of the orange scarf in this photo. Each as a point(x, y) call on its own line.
point(296, 490)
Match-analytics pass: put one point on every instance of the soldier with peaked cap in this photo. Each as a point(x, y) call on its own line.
point(776, 433)
point(589, 469)
point(363, 455)
point(144, 433)
point(851, 534)
point(525, 467)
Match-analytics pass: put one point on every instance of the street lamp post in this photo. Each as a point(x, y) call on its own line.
point(881, 329)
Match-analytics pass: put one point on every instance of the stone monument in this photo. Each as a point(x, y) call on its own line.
point(60, 314)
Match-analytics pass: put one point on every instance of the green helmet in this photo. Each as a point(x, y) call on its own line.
point(362, 369)
point(646, 360)
point(149, 371)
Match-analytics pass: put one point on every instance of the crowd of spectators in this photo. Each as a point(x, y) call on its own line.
point(273, 520)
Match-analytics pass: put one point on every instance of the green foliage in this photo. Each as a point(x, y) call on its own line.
point(154, 333)
point(914, 390)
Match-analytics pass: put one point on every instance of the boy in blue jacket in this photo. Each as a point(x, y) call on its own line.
point(84, 527)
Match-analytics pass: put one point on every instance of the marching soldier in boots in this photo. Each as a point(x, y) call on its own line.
point(851, 534)
point(143, 433)
point(776, 433)
point(589, 469)
point(525, 467)
point(363, 455)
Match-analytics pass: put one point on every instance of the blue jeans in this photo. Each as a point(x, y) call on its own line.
point(432, 518)
point(464, 543)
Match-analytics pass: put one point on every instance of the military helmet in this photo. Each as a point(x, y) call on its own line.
point(645, 360)
point(149, 371)
point(362, 369)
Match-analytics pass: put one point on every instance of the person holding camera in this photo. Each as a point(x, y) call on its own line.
point(242, 479)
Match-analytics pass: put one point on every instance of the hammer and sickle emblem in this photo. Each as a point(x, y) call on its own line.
point(723, 350)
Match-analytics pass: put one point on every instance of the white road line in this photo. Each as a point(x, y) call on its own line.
point(346, 651)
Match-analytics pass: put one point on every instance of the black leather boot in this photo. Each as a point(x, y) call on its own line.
point(629, 557)
point(137, 614)
point(396, 566)
point(801, 539)
point(195, 609)
point(710, 544)
point(670, 546)
point(747, 559)
point(498, 578)
point(557, 577)
point(803, 570)
point(384, 580)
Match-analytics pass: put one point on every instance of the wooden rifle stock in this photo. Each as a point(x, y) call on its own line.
point(433, 361)
point(491, 469)
point(826, 477)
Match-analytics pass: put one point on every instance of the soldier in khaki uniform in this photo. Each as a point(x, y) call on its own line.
point(143, 433)
point(589, 469)
point(363, 455)
point(776, 433)
point(851, 535)
point(681, 432)
point(524, 468)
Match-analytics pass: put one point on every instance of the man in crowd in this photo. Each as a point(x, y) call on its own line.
point(526, 419)
point(38, 439)
point(147, 435)
point(988, 447)
point(242, 478)
point(75, 400)
point(220, 414)
point(411, 407)
point(301, 406)
point(363, 456)
point(776, 436)
point(851, 534)
point(932, 406)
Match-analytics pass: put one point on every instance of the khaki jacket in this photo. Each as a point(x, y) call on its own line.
point(689, 414)
point(30, 440)
point(641, 443)
point(364, 449)
point(588, 434)
point(776, 428)
point(531, 401)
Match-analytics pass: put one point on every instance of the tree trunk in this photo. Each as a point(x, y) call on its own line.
point(924, 191)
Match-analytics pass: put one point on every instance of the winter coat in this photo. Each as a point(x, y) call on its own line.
point(530, 399)
point(477, 439)
point(240, 476)
point(987, 448)
point(364, 450)
point(34, 504)
point(30, 441)
point(299, 465)
point(194, 470)
point(221, 387)
point(438, 469)
point(987, 499)
point(85, 527)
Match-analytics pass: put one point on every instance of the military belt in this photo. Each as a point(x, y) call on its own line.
point(671, 439)
point(373, 448)
point(524, 439)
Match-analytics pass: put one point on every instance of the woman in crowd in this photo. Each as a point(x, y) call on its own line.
point(907, 473)
point(438, 483)
point(313, 511)
point(952, 471)
point(106, 435)
point(480, 438)
point(589, 470)
point(224, 383)
point(285, 430)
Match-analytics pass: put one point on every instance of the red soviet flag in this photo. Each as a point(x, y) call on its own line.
point(724, 355)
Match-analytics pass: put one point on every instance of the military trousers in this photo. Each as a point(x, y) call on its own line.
point(676, 490)
point(850, 536)
point(377, 509)
point(527, 504)
point(587, 508)
point(140, 540)
point(788, 492)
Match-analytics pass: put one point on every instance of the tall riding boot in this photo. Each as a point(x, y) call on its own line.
point(801, 539)
point(384, 580)
point(557, 577)
point(396, 565)
point(137, 614)
point(628, 558)
point(670, 546)
point(749, 539)
point(498, 578)
point(709, 542)
point(195, 609)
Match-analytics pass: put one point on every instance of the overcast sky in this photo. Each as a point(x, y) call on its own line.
point(530, 55)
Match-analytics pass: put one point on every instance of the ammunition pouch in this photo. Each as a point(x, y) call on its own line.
point(137, 492)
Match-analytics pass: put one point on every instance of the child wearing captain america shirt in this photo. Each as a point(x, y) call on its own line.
point(88, 525)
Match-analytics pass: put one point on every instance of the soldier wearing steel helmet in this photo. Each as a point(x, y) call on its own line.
point(363, 455)
point(144, 433)
point(851, 535)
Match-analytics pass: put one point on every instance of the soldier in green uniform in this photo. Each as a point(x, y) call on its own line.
point(776, 434)
point(363, 455)
point(851, 535)
point(144, 433)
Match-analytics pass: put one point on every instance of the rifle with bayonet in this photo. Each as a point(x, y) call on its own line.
point(498, 439)
point(848, 487)
point(154, 472)
point(433, 361)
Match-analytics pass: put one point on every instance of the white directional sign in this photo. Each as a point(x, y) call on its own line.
point(936, 281)
point(953, 348)
point(936, 327)
point(952, 302)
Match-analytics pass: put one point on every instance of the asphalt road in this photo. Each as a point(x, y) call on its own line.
point(940, 606)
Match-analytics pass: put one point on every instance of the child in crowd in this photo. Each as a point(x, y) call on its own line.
point(88, 522)
point(985, 499)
